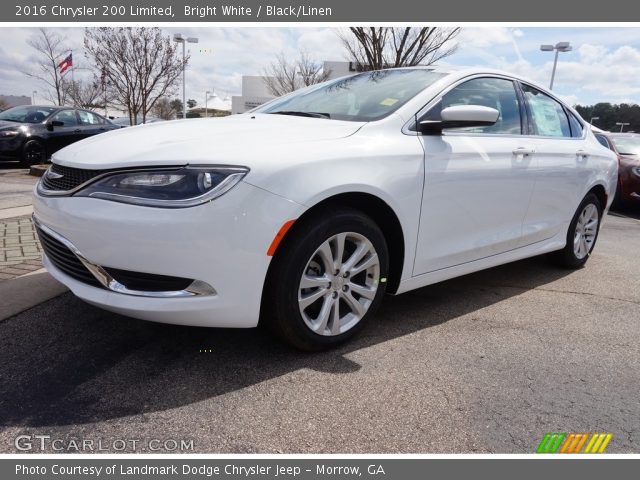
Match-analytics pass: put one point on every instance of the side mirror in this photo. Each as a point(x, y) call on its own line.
point(460, 116)
point(54, 123)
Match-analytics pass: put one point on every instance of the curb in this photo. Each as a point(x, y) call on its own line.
point(27, 291)
point(38, 170)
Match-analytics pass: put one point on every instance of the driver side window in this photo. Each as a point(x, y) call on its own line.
point(68, 117)
point(495, 93)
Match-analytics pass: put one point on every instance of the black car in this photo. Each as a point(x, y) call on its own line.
point(31, 133)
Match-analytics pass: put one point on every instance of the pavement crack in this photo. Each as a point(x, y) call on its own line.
point(570, 292)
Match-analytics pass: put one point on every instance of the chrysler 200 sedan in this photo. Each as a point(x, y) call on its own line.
point(304, 212)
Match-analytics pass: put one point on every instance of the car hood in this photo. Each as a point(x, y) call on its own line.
point(244, 139)
point(4, 124)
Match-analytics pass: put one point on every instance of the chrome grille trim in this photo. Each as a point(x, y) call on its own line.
point(197, 287)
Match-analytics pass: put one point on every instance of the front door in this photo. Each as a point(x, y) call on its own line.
point(478, 181)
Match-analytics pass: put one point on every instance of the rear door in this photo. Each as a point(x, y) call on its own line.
point(478, 181)
point(562, 169)
point(59, 137)
point(91, 123)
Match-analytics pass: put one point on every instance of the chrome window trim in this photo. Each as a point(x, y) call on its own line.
point(197, 287)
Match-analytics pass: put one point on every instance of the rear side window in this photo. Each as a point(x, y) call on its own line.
point(88, 118)
point(549, 117)
point(496, 93)
point(603, 141)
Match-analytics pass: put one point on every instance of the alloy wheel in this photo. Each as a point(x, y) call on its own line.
point(586, 230)
point(34, 153)
point(339, 284)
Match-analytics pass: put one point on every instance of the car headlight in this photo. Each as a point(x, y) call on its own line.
point(166, 188)
point(8, 133)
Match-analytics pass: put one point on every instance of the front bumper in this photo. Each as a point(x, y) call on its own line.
point(222, 244)
point(629, 180)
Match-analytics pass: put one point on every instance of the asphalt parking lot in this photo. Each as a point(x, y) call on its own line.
point(486, 363)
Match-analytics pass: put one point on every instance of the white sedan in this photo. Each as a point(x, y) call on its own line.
point(304, 212)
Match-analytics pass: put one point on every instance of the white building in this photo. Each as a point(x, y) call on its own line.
point(255, 91)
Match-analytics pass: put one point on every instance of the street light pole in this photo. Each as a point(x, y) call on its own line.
point(622, 125)
point(592, 119)
point(179, 38)
point(33, 97)
point(558, 47)
point(206, 101)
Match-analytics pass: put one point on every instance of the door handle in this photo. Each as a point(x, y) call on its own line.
point(582, 154)
point(524, 151)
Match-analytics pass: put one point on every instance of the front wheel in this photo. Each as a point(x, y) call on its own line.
point(33, 153)
point(582, 234)
point(327, 281)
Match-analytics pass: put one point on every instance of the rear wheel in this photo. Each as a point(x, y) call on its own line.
point(328, 280)
point(582, 234)
point(33, 153)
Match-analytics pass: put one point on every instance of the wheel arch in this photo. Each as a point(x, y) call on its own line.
point(372, 206)
point(599, 191)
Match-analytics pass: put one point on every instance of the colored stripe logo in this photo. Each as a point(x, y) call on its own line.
point(574, 442)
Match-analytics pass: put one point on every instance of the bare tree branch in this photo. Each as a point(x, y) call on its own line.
point(376, 48)
point(139, 64)
point(91, 94)
point(50, 48)
point(283, 76)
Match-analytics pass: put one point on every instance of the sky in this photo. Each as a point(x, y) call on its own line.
point(604, 65)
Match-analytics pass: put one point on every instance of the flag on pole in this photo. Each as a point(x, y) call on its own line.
point(66, 64)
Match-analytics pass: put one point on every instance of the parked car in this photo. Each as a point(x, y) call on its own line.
point(304, 212)
point(31, 133)
point(627, 147)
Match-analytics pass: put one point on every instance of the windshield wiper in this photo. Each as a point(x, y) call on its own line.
point(302, 114)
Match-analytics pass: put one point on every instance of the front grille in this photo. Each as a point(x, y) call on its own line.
point(65, 260)
point(71, 177)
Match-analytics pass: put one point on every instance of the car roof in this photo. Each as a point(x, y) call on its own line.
point(459, 72)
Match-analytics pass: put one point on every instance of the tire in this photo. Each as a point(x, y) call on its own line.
point(33, 153)
point(289, 306)
point(581, 238)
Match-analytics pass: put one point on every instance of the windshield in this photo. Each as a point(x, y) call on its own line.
point(627, 145)
point(27, 114)
point(361, 98)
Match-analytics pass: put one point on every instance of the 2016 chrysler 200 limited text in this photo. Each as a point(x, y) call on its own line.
point(305, 211)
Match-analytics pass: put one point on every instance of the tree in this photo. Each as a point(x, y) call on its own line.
point(283, 76)
point(50, 48)
point(140, 65)
point(87, 93)
point(608, 115)
point(3, 104)
point(191, 103)
point(176, 104)
point(167, 109)
point(375, 48)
